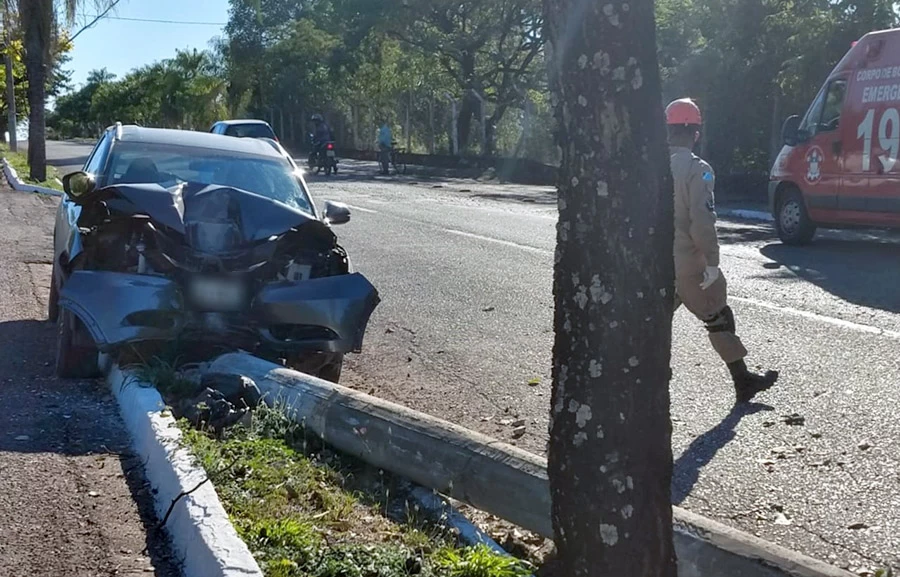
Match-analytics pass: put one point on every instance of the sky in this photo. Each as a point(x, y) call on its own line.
point(120, 45)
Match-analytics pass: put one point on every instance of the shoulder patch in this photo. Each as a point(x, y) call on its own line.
point(707, 176)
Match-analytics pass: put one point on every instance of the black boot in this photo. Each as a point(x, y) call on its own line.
point(748, 384)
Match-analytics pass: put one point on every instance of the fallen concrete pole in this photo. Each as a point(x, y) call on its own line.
point(485, 473)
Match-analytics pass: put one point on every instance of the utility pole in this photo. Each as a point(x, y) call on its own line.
point(10, 100)
point(10, 81)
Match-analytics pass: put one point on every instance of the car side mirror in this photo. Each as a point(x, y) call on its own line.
point(791, 134)
point(78, 184)
point(336, 212)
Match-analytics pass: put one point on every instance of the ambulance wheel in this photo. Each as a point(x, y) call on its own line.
point(792, 221)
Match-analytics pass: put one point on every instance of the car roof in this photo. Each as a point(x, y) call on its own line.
point(242, 121)
point(194, 139)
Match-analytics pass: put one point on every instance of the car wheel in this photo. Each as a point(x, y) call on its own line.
point(331, 371)
point(76, 355)
point(53, 300)
point(326, 366)
point(792, 220)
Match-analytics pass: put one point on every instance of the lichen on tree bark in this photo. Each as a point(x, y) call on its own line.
point(610, 453)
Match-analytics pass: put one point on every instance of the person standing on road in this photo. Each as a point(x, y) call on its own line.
point(699, 284)
point(385, 144)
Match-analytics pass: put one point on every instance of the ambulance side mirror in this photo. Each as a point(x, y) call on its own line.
point(791, 134)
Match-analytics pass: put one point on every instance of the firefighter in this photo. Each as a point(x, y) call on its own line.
point(699, 284)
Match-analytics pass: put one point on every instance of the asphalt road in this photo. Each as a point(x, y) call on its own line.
point(465, 272)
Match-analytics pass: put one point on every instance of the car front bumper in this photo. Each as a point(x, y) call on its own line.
point(326, 314)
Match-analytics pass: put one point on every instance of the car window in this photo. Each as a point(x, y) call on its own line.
point(250, 131)
point(94, 164)
point(825, 113)
point(834, 102)
point(168, 165)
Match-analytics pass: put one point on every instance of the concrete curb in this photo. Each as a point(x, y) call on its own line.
point(352, 420)
point(14, 181)
point(201, 533)
point(745, 214)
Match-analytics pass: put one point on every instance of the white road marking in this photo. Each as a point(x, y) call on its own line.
point(361, 209)
point(859, 327)
point(498, 241)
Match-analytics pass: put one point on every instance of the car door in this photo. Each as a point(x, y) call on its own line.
point(823, 154)
point(878, 149)
point(67, 241)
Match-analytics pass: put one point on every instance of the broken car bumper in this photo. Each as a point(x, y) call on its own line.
point(326, 314)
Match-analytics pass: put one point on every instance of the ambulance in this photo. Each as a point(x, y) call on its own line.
point(838, 167)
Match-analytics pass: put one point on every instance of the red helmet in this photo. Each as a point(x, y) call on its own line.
point(683, 112)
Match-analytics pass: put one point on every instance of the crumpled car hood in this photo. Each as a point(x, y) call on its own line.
point(179, 206)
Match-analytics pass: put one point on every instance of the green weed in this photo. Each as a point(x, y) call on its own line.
point(480, 561)
point(165, 376)
point(298, 515)
point(19, 161)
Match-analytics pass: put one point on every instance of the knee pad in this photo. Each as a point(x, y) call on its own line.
point(722, 322)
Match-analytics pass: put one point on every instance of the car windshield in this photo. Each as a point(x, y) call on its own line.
point(168, 165)
point(253, 130)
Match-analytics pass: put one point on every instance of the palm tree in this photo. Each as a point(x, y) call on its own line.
point(38, 21)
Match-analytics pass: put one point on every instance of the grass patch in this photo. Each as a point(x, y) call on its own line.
point(306, 512)
point(167, 378)
point(19, 161)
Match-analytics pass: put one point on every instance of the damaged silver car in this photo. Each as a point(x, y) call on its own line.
point(204, 240)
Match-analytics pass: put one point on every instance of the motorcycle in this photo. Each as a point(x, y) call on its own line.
point(323, 156)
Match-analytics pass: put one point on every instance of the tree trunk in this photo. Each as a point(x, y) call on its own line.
point(36, 74)
point(610, 455)
point(467, 103)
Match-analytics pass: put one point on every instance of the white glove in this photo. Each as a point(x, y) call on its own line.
point(710, 275)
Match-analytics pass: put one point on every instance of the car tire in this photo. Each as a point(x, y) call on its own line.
point(792, 222)
point(75, 358)
point(53, 299)
point(332, 371)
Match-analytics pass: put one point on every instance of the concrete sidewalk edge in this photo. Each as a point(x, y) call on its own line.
point(745, 214)
point(202, 536)
point(17, 184)
point(706, 547)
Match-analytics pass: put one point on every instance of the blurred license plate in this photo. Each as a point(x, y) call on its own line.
point(329, 153)
point(217, 294)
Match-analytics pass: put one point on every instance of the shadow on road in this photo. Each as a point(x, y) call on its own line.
point(46, 414)
point(704, 448)
point(744, 233)
point(862, 272)
point(536, 197)
point(78, 419)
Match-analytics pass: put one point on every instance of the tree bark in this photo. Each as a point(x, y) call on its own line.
point(610, 455)
point(35, 70)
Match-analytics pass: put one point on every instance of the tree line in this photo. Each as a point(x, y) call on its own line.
point(471, 77)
